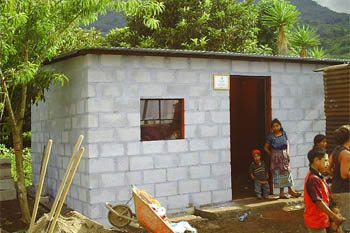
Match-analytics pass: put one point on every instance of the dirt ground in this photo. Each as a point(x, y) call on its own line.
point(10, 215)
point(265, 221)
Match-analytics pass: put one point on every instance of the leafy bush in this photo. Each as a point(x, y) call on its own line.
point(8, 153)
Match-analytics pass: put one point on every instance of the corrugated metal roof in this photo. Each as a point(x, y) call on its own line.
point(335, 67)
point(336, 99)
point(195, 54)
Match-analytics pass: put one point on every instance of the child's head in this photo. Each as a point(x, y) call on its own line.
point(320, 141)
point(256, 154)
point(276, 125)
point(342, 134)
point(318, 159)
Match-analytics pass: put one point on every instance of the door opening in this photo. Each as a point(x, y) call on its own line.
point(250, 117)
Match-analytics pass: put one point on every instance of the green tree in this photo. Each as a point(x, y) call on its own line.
point(281, 15)
point(303, 37)
point(317, 52)
point(33, 31)
point(216, 25)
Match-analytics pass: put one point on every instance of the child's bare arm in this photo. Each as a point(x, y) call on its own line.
point(337, 219)
point(252, 176)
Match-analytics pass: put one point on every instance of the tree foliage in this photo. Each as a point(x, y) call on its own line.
point(303, 37)
point(216, 25)
point(33, 31)
point(281, 15)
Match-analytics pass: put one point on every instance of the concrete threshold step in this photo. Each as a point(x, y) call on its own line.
point(238, 207)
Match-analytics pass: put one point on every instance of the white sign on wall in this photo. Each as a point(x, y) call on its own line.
point(221, 82)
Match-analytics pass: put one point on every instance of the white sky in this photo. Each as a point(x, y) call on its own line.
point(342, 6)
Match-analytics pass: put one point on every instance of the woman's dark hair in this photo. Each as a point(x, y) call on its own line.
point(318, 138)
point(276, 121)
point(315, 153)
point(342, 134)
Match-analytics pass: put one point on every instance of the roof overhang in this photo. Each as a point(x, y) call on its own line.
point(193, 54)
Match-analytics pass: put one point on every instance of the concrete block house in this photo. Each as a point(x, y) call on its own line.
point(159, 119)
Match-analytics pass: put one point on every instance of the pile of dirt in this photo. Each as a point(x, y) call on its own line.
point(73, 222)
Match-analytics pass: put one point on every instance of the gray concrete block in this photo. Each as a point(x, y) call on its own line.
point(7, 184)
point(177, 145)
point(222, 196)
point(240, 66)
point(111, 60)
point(101, 196)
point(166, 189)
point(202, 198)
point(180, 63)
point(208, 130)
point(259, 67)
point(218, 65)
point(154, 176)
point(153, 147)
point(194, 118)
point(207, 157)
point(178, 201)
point(5, 173)
point(6, 195)
point(199, 171)
point(293, 67)
point(129, 134)
point(166, 161)
point(101, 165)
point(177, 173)
point(198, 64)
point(189, 159)
point(5, 162)
point(277, 67)
point(141, 163)
point(198, 145)
point(113, 180)
point(209, 184)
point(189, 186)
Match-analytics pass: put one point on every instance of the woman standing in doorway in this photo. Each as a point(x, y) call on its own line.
point(339, 164)
point(277, 147)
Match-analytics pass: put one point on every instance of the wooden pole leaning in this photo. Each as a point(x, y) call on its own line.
point(39, 188)
point(65, 190)
point(65, 178)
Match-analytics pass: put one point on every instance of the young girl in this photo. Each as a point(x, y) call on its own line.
point(320, 141)
point(278, 148)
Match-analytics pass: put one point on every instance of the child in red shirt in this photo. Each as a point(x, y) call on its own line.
point(317, 194)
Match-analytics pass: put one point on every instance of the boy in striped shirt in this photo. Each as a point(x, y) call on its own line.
point(259, 174)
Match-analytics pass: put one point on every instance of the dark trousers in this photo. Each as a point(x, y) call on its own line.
point(261, 189)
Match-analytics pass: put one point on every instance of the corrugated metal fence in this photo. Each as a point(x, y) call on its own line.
point(337, 99)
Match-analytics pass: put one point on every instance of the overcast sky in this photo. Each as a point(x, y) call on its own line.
point(342, 6)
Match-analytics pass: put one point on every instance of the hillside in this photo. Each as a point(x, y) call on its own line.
point(333, 27)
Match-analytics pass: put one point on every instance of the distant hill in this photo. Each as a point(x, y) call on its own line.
point(111, 20)
point(333, 27)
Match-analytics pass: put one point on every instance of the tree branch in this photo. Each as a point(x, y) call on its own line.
point(8, 104)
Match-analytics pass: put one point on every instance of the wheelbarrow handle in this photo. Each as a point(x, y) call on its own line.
point(110, 208)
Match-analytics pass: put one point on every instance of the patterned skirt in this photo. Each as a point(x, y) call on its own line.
point(282, 179)
point(280, 168)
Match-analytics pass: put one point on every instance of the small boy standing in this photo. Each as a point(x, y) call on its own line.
point(259, 174)
point(317, 213)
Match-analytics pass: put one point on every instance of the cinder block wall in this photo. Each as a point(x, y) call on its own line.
point(102, 101)
point(297, 101)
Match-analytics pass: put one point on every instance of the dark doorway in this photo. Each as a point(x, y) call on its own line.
point(250, 114)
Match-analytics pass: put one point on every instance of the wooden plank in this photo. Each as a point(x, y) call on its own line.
point(45, 161)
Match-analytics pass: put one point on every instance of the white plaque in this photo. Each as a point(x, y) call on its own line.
point(221, 82)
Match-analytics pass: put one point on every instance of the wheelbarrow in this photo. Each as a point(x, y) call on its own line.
point(121, 215)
